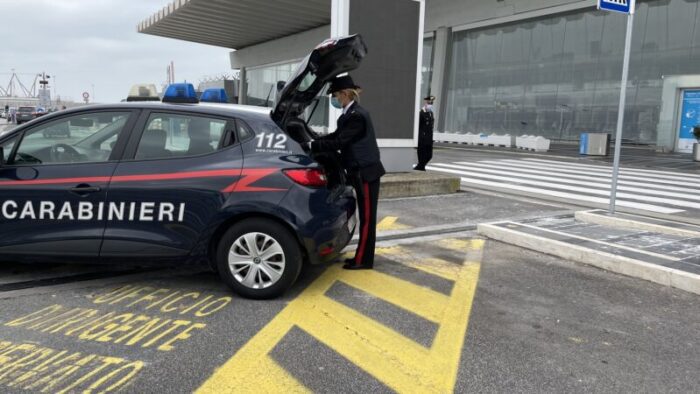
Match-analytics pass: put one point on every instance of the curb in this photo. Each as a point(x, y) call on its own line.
point(618, 221)
point(419, 232)
point(417, 184)
point(448, 228)
point(607, 261)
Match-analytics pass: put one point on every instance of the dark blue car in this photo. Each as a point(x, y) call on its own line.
point(187, 182)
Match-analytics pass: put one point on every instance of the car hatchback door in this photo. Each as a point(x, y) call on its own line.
point(54, 189)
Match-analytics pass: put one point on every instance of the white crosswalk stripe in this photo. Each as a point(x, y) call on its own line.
point(662, 192)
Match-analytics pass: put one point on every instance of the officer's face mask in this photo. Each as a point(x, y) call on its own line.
point(429, 107)
point(336, 103)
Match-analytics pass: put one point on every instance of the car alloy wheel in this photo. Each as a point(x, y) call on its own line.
point(256, 260)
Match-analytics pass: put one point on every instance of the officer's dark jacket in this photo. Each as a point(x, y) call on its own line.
point(357, 143)
point(426, 121)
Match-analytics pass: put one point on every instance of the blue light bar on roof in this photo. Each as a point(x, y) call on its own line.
point(180, 93)
point(214, 95)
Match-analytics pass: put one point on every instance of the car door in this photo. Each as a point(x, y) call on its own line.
point(53, 189)
point(172, 185)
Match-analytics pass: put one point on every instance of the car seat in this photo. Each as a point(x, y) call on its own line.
point(153, 145)
point(200, 137)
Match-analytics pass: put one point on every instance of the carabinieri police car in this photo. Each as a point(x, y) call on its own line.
point(183, 181)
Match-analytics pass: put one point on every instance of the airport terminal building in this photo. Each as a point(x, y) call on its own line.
point(544, 67)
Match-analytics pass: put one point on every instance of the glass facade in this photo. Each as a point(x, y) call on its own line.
point(262, 83)
point(262, 91)
point(559, 76)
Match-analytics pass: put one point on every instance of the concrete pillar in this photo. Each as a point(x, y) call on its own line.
point(390, 74)
point(340, 26)
point(442, 60)
point(243, 86)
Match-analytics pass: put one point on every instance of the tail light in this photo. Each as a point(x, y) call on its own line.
point(313, 177)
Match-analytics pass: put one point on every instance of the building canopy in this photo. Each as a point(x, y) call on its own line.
point(236, 24)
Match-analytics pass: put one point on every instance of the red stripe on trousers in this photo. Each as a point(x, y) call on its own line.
point(365, 228)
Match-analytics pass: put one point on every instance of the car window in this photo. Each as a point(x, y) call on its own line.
point(172, 136)
point(7, 148)
point(244, 131)
point(74, 139)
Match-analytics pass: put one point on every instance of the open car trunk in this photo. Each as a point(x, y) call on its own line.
point(329, 59)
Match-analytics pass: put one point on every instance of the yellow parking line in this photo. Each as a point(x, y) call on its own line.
point(461, 245)
point(419, 300)
point(390, 357)
point(447, 347)
point(430, 265)
point(389, 223)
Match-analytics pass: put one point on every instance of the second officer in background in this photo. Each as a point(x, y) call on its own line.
point(426, 122)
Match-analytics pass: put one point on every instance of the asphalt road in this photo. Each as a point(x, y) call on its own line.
point(443, 313)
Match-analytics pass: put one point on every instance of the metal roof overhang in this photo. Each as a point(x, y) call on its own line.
point(236, 24)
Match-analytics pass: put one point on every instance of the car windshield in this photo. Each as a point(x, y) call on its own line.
point(26, 109)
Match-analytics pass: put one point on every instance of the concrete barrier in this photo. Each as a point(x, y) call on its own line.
point(531, 142)
point(418, 183)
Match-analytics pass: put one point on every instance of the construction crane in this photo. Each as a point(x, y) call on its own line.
point(17, 89)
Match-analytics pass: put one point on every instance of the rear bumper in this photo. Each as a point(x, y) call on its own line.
point(325, 223)
point(336, 239)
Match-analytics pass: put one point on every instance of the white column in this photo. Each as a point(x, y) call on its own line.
point(242, 86)
point(441, 71)
point(340, 26)
point(419, 69)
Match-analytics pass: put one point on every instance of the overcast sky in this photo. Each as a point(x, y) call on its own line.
point(94, 42)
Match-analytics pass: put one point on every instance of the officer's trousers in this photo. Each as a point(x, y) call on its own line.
point(425, 154)
point(367, 199)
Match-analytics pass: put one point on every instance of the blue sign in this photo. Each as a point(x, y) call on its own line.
point(624, 6)
point(583, 146)
point(690, 117)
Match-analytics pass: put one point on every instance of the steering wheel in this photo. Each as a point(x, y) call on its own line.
point(63, 153)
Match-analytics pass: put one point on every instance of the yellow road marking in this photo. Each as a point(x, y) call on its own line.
point(400, 363)
point(390, 223)
point(430, 265)
point(419, 300)
point(461, 245)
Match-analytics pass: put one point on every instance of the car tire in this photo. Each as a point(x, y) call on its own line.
point(266, 271)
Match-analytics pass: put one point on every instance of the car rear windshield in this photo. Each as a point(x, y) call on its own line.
point(26, 109)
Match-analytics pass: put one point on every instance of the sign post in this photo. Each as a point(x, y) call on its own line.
point(626, 7)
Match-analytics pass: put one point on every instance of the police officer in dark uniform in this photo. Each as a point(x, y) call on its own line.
point(357, 143)
point(426, 122)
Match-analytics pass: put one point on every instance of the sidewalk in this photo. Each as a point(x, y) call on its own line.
point(660, 251)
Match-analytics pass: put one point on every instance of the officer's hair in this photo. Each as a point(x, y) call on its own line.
point(354, 94)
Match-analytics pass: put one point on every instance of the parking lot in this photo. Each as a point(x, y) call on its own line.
point(439, 313)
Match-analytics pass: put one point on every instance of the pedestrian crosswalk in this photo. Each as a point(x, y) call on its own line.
point(655, 191)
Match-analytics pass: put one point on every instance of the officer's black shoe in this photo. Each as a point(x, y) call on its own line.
point(416, 168)
point(353, 266)
point(349, 261)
